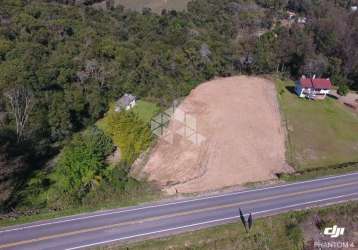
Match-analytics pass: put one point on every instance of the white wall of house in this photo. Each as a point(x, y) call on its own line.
point(307, 92)
point(131, 105)
point(323, 91)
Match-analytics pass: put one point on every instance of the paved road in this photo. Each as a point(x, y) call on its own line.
point(154, 220)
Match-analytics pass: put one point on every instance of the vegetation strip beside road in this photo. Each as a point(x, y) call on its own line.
point(45, 214)
point(236, 204)
point(311, 173)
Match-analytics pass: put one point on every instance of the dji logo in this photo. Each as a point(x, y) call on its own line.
point(334, 231)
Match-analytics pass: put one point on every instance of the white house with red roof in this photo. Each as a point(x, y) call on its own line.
point(313, 88)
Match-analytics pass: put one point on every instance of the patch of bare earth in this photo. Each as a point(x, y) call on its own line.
point(115, 157)
point(350, 100)
point(239, 120)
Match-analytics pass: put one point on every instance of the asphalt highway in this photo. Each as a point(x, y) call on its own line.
point(116, 226)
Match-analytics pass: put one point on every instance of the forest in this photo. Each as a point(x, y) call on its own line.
point(62, 63)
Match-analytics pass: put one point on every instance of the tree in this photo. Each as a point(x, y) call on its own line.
point(343, 89)
point(80, 165)
point(315, 66)
point(128, 132)
point(273, 4)
point(20, 101)
point(265, 55)
point(5, 46)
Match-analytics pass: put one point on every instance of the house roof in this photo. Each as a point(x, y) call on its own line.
point(320, 83)
point(306, 82)
point(316, 83)
point(125, 100)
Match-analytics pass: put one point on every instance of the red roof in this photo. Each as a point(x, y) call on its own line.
point(306, 82)
point(317, 83)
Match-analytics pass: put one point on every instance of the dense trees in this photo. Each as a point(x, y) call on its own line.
point(69, 61)
point(79, 169)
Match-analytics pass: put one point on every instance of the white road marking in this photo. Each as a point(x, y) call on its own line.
point(171, 203)
point(209, 222)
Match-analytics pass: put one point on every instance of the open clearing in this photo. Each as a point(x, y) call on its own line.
point(145, 110)
point(320, 133)
point(244, 141)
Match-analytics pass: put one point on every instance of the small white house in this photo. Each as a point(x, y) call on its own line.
point(126, 102)
point(313, 88)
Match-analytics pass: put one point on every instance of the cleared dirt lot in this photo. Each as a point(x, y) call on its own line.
point(241, 138)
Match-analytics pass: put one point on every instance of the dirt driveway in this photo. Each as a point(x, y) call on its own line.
point(238, 138)
point(351, 99)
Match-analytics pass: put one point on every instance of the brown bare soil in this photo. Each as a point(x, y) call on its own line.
point(239, 138)
point(350, 100)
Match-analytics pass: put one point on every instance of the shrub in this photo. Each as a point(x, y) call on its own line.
point(118, 186)
point(34, 194)
point(80, 166)
point(294, 233)
point(343, 89)
point(128, 132)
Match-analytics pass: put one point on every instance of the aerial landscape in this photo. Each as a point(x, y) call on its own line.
point(178, 124)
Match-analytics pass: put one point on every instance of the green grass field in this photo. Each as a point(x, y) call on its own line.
point(320, 133)
point(146, 110)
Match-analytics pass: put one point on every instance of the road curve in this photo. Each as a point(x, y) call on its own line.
point(158, 219)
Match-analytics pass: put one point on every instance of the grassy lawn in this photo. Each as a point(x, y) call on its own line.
point(320, 133)
point(145, 110)
point(287, 231)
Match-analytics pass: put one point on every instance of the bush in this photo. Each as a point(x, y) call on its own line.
point(343, 89)
point(34, 194)
point(128, 132)
point(294, 233)
point(117, 186)
point(293, 230)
